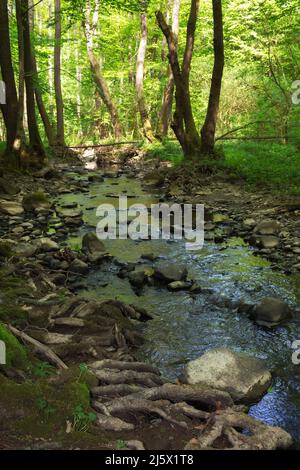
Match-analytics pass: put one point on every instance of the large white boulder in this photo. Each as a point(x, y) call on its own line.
point(244, 377)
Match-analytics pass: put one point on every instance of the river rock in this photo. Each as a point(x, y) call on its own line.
point(179, 285)
point(92, 244)
point(267, 227)
point(270, 312)
point(168, 272)
point(69, 213)
point(78, 266)
point(137, 279)
point(269, 241)
point(25, 250)
point(11, 208)
point(244, 377)
point(46, 245)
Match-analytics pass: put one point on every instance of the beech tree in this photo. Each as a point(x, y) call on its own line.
point(140, 70)
point(194, 145)
point(60, 129)
point(90, 25)
point(208, 131)
point(35, 141)
point(166, 109)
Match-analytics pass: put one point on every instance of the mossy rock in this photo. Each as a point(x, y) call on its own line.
point(34, 201)
point(16, 355)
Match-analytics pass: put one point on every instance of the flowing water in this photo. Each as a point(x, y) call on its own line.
point(185, 325)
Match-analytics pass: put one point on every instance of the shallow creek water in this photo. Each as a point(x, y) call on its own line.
point(186, 325)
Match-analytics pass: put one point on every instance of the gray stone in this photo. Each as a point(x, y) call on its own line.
point(271, 311)
point(11, 208)
point(46, 244)
point(137, 278)
point(244, 377)
point(267, 227)
point(269, 241)
point(168, 272)
point(179, 285)
point(92, 244)
point(78, 266)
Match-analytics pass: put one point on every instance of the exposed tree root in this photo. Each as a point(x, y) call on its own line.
point(130, 389)
point(241, 432)
point(202, 397)
point(131, 408)
point(137, 366)
point(115, 390)
point(109, 376)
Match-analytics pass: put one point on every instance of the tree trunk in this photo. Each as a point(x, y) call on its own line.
point(166, 110)
point(209, 128)
point(10, 109)
point(140, 65)
point(60, 133)
point(183, 123)
point(20, 135)
point(89, 28)
point(34, 135)
point(38, 96)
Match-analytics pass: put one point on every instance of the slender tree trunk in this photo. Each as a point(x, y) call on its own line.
point(89, 28)
point(209, 128)
point(20, 136)
point(38, 96)
point(60, 132)
point(10, 109)
point(140, 68)
point(34, 135)
point(50, 67)
point(166, 110)
point(183, 123)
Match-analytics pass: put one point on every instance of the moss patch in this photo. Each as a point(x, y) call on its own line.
point(16, 355)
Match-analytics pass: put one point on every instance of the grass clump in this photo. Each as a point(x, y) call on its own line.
point(168, 150)
point(271, 165)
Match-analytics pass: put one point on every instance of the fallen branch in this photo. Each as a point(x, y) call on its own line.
point(48, 353)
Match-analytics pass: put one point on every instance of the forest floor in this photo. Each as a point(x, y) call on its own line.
point(102, 397)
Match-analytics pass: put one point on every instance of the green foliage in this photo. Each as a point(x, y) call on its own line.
point(168, 150)
point(82, 419)
point(42, 369)
point(267, 164)
point(120, 444)
point(45, 408)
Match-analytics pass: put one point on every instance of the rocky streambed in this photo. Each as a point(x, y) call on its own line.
point(131, 315)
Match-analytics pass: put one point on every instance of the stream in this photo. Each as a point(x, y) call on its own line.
point(185, 325)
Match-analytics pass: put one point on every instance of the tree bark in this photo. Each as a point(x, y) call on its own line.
point(102, 87)
point(209, 128)
point(166, 110)
point(140, 69)
point(60, 132)
point(10, 109)
point(35, 141)
point(183, 123)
